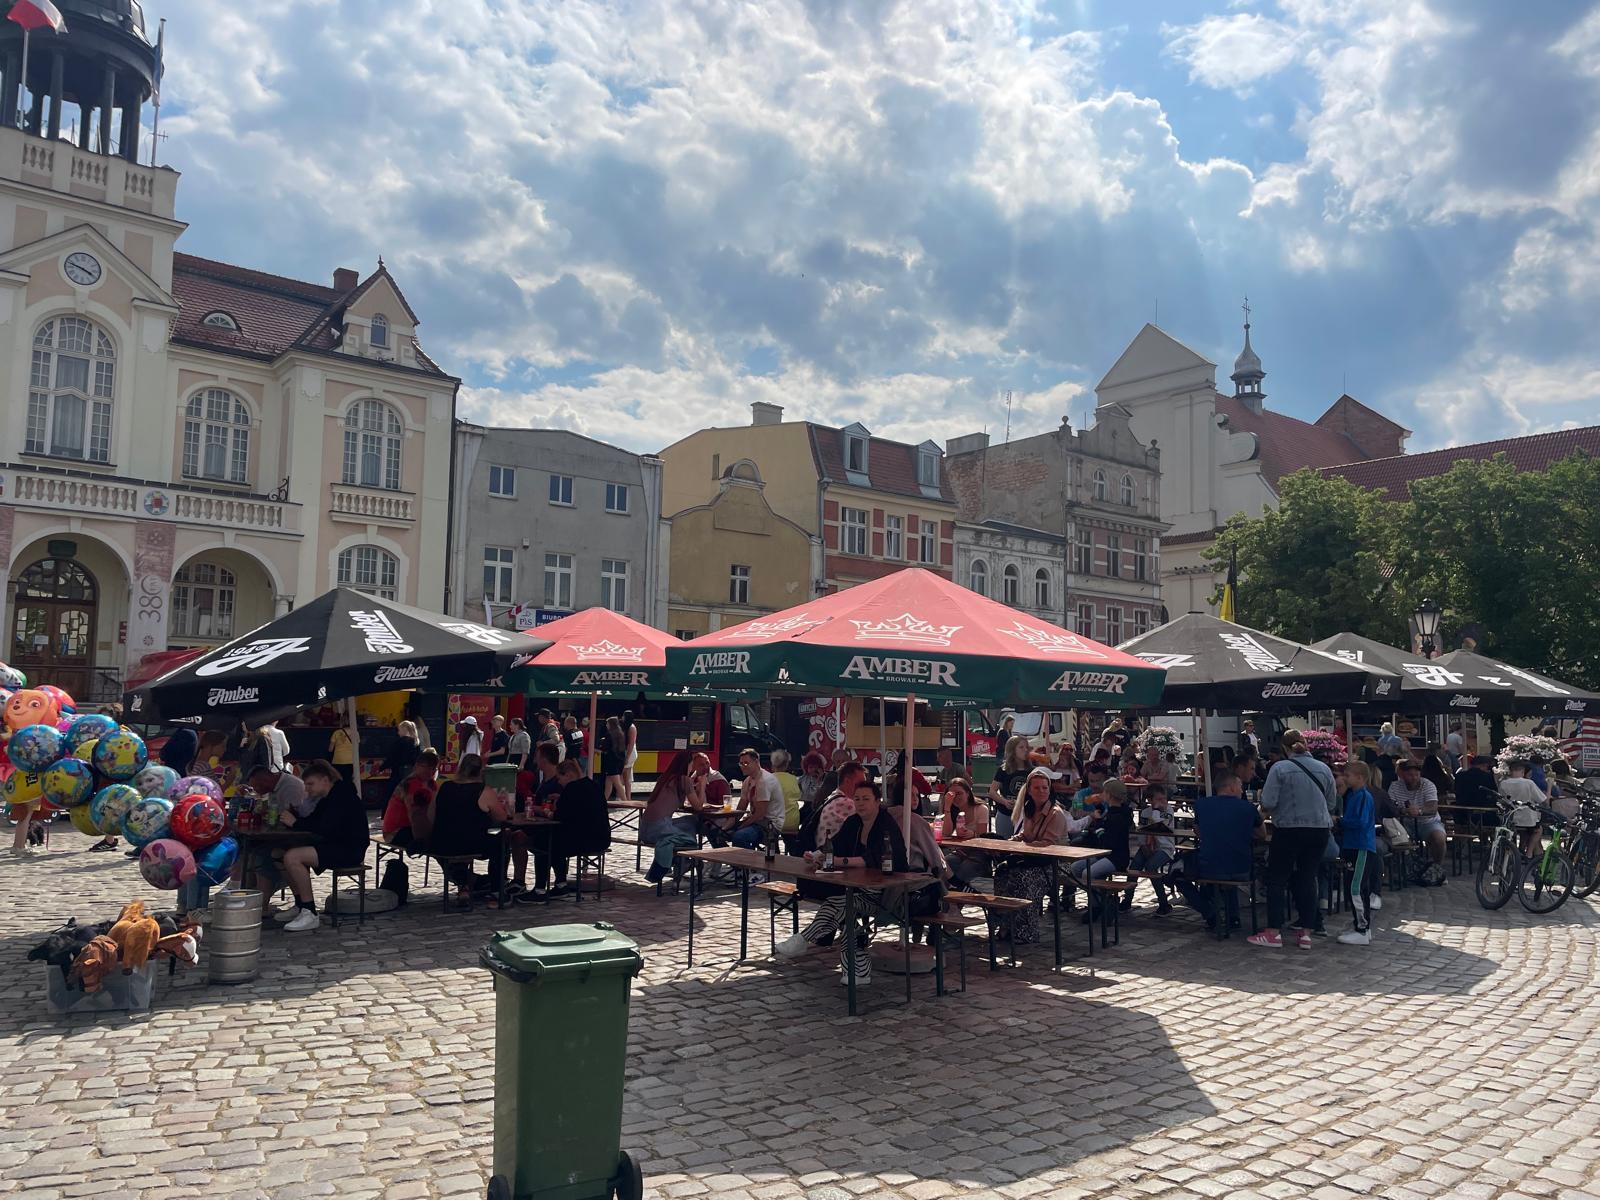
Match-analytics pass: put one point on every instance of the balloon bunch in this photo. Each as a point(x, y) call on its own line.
point(100, 773)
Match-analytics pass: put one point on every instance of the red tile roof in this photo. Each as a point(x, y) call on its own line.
point(275, 314)
point(1535, 452)
point(1285, 443)
point(891, 466)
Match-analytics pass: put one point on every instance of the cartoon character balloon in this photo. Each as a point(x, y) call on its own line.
point(166, 864)
point(109, 804)
point(120, 755)
point(199, 785)
point(88, 729)
point(83, 820)
point(214, 862)
point(35, 747)
point(30, 706)
point(11, 679)
point(23, 788)
point(157, 780)
point(68, 782)
point(198, 821)
point(149, 819)
point(66, 706)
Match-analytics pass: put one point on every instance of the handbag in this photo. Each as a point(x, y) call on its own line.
point(1396, 832)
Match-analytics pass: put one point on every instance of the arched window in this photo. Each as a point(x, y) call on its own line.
point(372, 445)
point(216, 438)
point(220, 320)
point(370, 569)
point(1041, 588)
point(978, 577)
point(202, 601)
point(1011, 585)
point(1127, 490)
point(70, 389)
point(380, 330)
point(1099, 485)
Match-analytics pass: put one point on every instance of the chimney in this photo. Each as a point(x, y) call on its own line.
point(345, 280)
point(967, 444)
point(762, 413)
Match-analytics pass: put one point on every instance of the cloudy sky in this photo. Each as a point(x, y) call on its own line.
point(636, 218)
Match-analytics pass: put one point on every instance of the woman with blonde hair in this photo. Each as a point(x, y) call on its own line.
point(1007, 783)
point(402, 755)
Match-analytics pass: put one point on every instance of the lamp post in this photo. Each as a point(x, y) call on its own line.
point(1427, 619)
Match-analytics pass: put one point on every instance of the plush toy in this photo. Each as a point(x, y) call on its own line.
point(94, 962)
point(30, 706)
point(136, 936)
point(183, 945)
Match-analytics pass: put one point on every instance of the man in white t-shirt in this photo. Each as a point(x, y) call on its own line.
point(761, 805)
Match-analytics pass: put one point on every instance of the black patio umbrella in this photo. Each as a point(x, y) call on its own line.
point(344, 643)
point(1427, 685)
point(1536, 695)
point(1215, 664)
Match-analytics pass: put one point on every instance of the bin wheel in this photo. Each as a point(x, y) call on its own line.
point(499, 1189)
point(629, 1183)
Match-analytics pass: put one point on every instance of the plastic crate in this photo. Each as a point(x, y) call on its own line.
point(118, 992)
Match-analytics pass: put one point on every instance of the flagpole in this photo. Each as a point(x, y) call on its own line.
point(155, 126)
point(26, 32)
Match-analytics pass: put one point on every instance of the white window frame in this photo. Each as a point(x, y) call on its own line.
point(1126, 491)
point(558, 573)
point(978, 577)
point(1011, 585)
point(373, 437)
point(380, 331)
point(502, 481)
point(614, 493)
point(852, 444)
point(928, 542)
point(1141, 622)
point(219, 585)
point(894, 537)
point(500, 574)
point(216, 419)
point(738, 584)
point(370, 569)
point(1041, 589)
point(63, 411)
point(614, 584)
point(561, 491)
point(927, 469)
point(1100, 492)
point(853, 531)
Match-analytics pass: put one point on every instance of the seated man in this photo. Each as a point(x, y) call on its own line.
point(585, 828)
point(283, 791)
point(414, 792)
point(761, 804)
point(1414, 798)
point(1476, 788)
point(465, 812)
point(339, 823)
point(1225, 825)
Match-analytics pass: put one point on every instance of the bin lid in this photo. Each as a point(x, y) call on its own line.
point(544, 949)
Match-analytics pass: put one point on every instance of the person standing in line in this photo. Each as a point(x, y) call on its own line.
point(499, 740)
point(519, 745)
point(613, 760)
point(1299, 794)
point(1358, 844)
point(572, 738)
point(341, 753)
point(471, 741)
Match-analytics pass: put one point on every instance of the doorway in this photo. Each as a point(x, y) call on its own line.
point(53, 629)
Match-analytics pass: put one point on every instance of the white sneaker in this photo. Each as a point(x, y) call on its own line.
point(284, 915)
point(863, 967)
point(1376, 903)
point(792, 946)
point(1356, 937)
point(304, 920)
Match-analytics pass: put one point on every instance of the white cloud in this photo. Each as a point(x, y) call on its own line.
point(1234, 51)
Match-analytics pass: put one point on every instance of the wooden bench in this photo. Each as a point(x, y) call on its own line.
point(943, 927)
point(1003, 907)
point(1110, 891)
point(359, 874)
point(1463, 844)
point(455, 860)
point(781, 897)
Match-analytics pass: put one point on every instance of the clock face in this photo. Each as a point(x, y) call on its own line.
point(82, 269)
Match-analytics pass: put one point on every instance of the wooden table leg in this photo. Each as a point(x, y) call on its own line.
point(692, 890)
point(744, 913)
point(850, 947)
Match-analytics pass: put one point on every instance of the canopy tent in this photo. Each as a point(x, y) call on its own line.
point(917, 633)
point(1536, 695)
point(1426, 685)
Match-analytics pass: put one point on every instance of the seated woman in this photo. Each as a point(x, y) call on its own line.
point(463, 812)
point(662, 824)
point(965, 817)
point(864, 840)
point(1043, 823)
point(338, 822)
point(790, 783)
point(406, 812)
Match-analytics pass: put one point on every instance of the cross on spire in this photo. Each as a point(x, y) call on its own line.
point(1246, 307)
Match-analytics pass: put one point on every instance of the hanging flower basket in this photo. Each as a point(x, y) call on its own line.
point(1326, 746)
point(1530, 748)
point(1161, 740)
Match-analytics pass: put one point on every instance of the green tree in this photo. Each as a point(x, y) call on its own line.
point(1515, 553)
point(1318, 564)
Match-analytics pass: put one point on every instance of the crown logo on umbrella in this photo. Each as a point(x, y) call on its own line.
point(905, 628)
point(1047, 641)
point(755, 630)
point(608, 649)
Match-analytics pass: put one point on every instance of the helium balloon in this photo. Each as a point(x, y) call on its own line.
point(198, 785)
point(156, 780)
point(68, 782)
point(215, 861)
point(12, 679)
point(65, 705)
point(120, 755)
point(109, 805)
point(82, 818)
point(23, 788)
point(149, 819)
point(85, 752)
point(198, 821)
point(35, 747)
point(166, 864)
point(88, 729)
point(30, 707)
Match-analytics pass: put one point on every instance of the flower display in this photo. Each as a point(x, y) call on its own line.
point(1161, 740)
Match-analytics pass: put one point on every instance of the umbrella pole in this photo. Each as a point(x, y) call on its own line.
point(591, 733)
point(883, 738)
point(1202, 766)
point(355, 741)
point(905, 774)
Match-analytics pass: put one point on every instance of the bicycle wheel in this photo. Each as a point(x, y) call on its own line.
point(1586, 865)
point(1546, 882)
point(1497, 875)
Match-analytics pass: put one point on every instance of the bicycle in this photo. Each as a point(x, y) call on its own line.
point(1541, 881)
point(1585, 853)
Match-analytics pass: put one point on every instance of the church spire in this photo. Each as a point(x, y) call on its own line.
point(1247, 373)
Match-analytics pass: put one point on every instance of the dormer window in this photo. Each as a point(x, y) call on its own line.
point(220, 320)
point(855, 457)
point(380, 331)
point(928, 469)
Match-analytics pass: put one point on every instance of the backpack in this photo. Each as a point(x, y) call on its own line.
point(396, 879)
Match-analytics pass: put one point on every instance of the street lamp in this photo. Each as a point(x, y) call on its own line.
point(1427, 619)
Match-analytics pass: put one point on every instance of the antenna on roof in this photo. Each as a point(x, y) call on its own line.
point(1008, 414)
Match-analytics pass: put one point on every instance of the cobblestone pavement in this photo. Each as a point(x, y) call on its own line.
point(1456, 1056)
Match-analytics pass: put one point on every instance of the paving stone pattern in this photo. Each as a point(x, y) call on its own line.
point(1456, 1056)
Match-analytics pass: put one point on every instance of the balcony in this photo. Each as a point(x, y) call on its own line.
point(371, 506)
point(63, 167)
point(59, 490)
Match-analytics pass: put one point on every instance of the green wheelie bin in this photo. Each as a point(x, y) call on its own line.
point(561, 1041)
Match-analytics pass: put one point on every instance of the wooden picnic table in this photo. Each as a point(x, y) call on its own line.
point(282, 838)
point(1055, 856)
point(850, 879)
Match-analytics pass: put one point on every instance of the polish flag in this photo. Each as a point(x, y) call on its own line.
point(37, 14)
